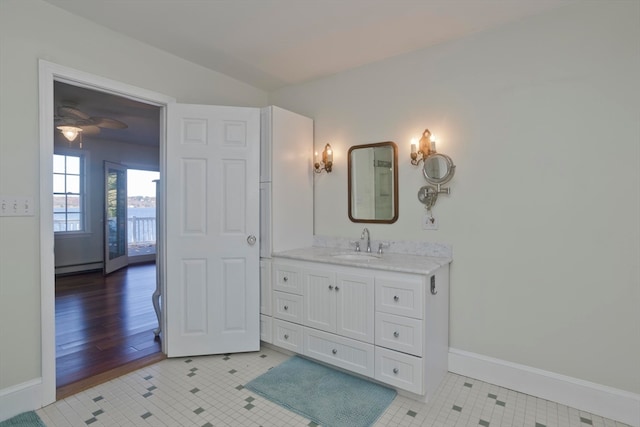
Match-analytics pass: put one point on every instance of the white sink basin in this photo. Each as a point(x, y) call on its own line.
point(356, 256)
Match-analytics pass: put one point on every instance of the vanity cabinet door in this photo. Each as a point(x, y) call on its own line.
point(355, 307)
point(319, 300)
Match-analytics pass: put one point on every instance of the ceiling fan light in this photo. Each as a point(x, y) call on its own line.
point(70, 132)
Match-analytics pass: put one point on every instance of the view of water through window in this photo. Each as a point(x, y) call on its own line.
point(141, 211)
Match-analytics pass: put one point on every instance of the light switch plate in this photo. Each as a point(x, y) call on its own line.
point(16, 206)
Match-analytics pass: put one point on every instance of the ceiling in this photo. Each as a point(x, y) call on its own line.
point(270, 44)
point(142, 120)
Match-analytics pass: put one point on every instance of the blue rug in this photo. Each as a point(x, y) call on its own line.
point(26, 419)
point(323, 395)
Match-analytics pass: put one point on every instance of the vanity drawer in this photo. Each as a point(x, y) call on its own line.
point(343, 352)
point(399, 370)
point(287, 278)
point(287, 335)
point(266, 323)
point(401, 295)
point(399, 333)
point(287, 306)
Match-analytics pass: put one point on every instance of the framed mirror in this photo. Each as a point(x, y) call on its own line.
point(438, 169)
point(373, 183)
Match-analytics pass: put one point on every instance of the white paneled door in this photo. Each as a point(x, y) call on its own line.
point(212, 224)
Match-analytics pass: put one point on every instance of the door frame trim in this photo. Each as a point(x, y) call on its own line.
point(48, 72)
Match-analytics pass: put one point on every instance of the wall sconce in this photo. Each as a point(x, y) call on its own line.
point(327, 160)
point(424, 147)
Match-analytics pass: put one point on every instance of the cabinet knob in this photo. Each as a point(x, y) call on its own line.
point(396, 334)
point(337, 289)
point(286, 307)
point(396, 298)
point(286, 337)
point(285, 279)
point(330, 287)
point(334, 351)
point(395, 370)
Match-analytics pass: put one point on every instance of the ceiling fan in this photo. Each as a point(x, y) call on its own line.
point(73, 122)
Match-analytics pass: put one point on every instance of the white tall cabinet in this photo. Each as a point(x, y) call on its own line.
point(286, 194)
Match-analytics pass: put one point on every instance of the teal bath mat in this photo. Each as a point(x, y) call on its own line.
point(325, 396)
point(26, 419)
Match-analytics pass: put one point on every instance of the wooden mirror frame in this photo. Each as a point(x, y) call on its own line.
point(350, 186)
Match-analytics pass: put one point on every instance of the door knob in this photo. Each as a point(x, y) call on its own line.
point(251, 240)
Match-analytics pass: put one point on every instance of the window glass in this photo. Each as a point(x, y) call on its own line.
point(68, 193)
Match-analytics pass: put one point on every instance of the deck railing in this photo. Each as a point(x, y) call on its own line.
point(140, 230)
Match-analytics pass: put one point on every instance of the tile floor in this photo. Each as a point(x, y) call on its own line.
point(209, 391)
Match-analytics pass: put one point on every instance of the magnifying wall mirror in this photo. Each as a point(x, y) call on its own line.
point(438, 169)
point(373, 182)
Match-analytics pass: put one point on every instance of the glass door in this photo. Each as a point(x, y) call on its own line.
point(115, 217)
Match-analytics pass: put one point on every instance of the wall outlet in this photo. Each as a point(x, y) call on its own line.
point(16, 206)
point(429, 222)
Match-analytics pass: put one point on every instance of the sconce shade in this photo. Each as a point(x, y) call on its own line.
point(423, 148)
point(327, 160)
point(70, 132)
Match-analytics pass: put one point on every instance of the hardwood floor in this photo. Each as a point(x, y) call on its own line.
point(103, 325)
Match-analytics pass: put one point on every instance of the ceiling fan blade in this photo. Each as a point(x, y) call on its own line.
point(105, 122)
point(66, 111)
point(90, 129)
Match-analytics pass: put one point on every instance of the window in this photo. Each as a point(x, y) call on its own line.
point(68, 193)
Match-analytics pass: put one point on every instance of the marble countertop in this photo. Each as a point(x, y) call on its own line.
point(400, 262)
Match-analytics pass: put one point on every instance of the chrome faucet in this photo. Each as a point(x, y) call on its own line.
point(366, 231)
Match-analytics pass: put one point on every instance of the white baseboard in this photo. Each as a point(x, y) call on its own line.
point(79, 268)
point(20, 398)
point(595, 398)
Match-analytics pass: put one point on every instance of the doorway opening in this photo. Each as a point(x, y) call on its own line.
point(104, 322)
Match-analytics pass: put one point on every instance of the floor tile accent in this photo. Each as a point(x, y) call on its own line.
point(213, 397)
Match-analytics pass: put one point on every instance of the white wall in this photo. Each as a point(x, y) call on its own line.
point(541, 118)
point(32, 30)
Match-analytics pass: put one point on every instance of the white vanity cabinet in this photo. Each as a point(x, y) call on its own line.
point(388, 325)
